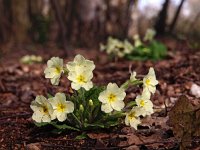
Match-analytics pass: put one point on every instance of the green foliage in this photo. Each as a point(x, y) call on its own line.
point(81, 136)
point(151, 49)
point(89, 116)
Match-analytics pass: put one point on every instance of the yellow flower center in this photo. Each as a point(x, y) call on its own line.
point(148, 81)
point(60, 107)
point(45, 109)
point(142, 103)
point(81, 79)
point(58, 70)
point(131, 116)
point(111, 97)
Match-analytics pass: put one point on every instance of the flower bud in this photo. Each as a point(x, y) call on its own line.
point(91, 102)
point(81, 108)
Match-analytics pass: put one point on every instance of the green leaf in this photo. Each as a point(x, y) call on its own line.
point(97, 125)
point(111, 123)
point(131, 104)
point(63, 126)
point(81, 137)
point(49, 95)
point(41, 124)
point(158, 50)
point(57, 131)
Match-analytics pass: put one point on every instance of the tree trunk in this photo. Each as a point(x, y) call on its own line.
point(20, 20)
point(176, 16)
point(134, 19)
point(60, 19)
point(161, 22)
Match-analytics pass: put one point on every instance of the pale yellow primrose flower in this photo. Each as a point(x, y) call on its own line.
point(61, 107)
point(80, 63)
point(145, 103)
point(150, 33)
point(54, 70)
point(149, 81)
point(137, 41)
point(80, 73)
point(112, 98)
point(113, 45)
point(42, 110)
point(128, 47)
point(81, 79)
point(132, 117)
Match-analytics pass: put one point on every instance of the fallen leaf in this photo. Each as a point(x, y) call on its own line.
point(34, 146)
point(184, 118)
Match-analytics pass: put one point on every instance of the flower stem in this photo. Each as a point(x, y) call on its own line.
point(82, 92)
point(80, 123)
point(129, 83)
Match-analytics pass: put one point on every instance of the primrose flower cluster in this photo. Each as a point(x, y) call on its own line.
point(91, 106)
point(140, 49)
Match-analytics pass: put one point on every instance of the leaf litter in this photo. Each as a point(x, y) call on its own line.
point(174, 125)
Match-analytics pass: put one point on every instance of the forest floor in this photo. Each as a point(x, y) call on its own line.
point(20, 83)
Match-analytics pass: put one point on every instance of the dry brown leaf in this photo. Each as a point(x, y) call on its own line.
point(184, 118)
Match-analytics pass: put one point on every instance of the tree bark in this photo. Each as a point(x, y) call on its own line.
point(161, 22)
point(176, 16)
point(59, 17)
point(20, 20)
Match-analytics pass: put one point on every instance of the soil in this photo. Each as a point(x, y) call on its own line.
point(20, 83)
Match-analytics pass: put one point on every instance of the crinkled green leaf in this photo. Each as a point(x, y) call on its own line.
point(41, 124)
point(63, 126)
point(81, 137)
point(97, 125)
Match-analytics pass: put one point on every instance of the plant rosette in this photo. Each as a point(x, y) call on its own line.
point(91, 107)
point(148, 48)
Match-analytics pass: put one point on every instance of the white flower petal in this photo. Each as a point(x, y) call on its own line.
point(37, 116)
point(62, 117)
point(120, 95)
point(50, 72)
point(152, 89)
point(106, 108)
point(134, 123)
point(117, 105)
point(55, 81)
point(46, 118)
point(87, 86)
point(75, 86)
point(151, 72)
point(127, 122)
point(146, 94)
point(70, 107)
point(154, 81)
point(79, 58)
point(60, 97)
point(103, 97)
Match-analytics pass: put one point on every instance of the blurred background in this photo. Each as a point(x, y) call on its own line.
point(86, 23)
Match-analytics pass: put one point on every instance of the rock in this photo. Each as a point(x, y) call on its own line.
point(195, 90)
point(34, 146)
